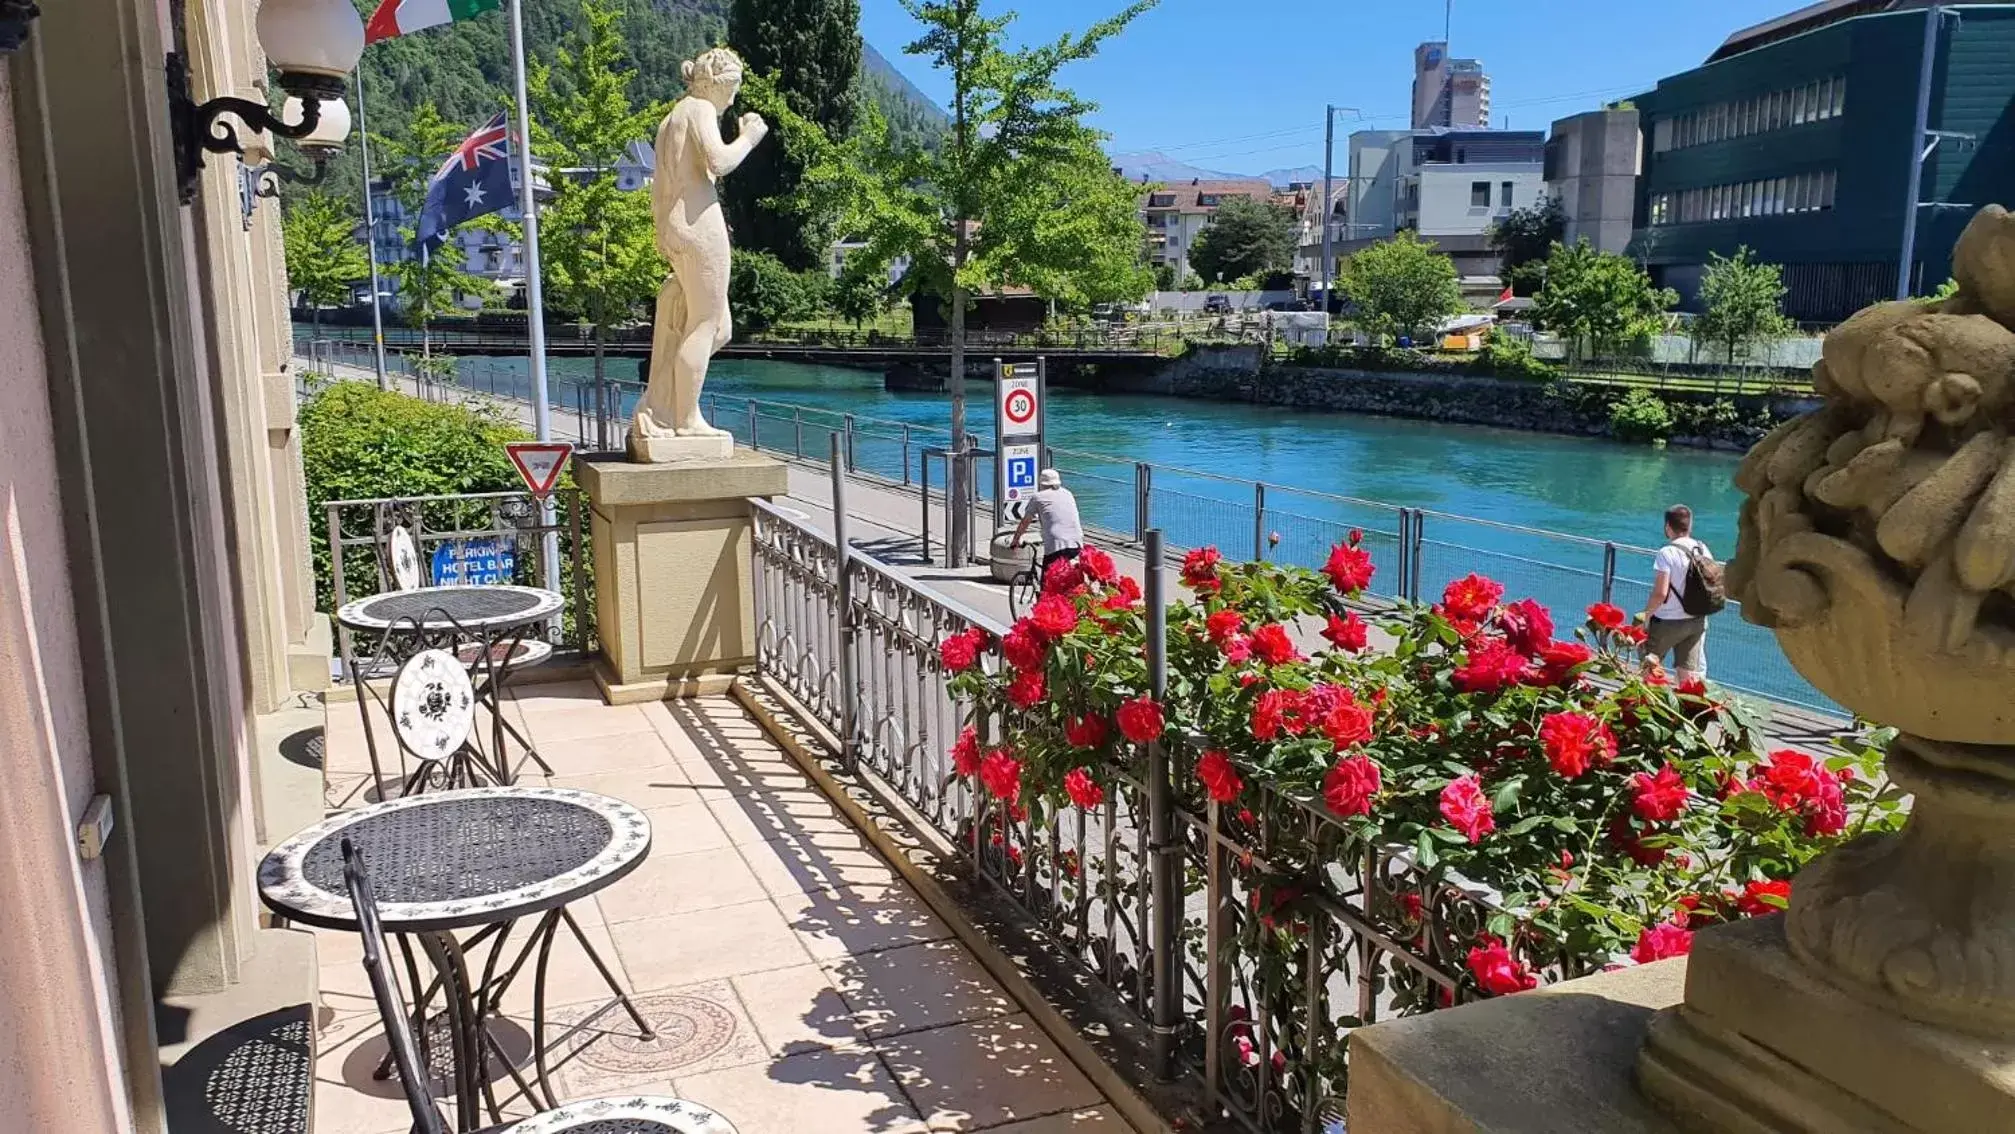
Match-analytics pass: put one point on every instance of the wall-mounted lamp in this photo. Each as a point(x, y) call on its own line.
point(314, 45)
point(260, 171)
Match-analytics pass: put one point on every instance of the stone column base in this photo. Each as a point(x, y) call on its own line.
point(1764, 1045)
point(673, 601)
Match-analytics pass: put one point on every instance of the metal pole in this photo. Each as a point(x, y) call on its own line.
point(1167, 892)
point(906, 473)
point(1608, 571)
point(1258, 521)
point(1143, 493)
point(1328, 163)
point(849, 420)
point(798, 426)
point(535, 301)
point(752, 425)
point(1933, 18)
point(371, 237)
point(924, 498)
point(844, 600)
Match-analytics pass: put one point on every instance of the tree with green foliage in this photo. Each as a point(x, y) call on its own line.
point(1019, 193)
point(763, 292)
point(324, 258)
point(1601, 301)
point(860, 294)
point(1744, 302)
point(1164, 277)
point(1400, 286)
point(1245, 238)
point(599, 255)
point(426, 284)
point(1524, 239)
point(811, 50)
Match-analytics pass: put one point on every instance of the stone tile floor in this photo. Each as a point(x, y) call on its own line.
point(795, 982)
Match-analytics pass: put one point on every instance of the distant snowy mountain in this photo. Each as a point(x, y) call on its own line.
point(1150, 165)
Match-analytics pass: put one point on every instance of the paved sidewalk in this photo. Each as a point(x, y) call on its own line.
point(795, 982)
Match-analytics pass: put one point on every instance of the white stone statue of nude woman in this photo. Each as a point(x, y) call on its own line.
point(692, 314)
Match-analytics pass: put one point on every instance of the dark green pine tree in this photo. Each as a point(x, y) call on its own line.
point(813, 49)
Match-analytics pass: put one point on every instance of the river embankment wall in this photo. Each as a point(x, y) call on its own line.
point(1245, 374)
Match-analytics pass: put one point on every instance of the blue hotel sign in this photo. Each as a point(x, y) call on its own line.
point(473, 562)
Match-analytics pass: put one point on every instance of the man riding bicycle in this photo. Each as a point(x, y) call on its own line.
point(1062, 533)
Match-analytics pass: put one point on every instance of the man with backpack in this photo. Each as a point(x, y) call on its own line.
point(1686, 587)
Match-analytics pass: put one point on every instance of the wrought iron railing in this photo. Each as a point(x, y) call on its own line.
point(506, 530)
point(1248, 942)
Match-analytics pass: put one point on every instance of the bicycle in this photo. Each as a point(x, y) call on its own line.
point(1025, 586)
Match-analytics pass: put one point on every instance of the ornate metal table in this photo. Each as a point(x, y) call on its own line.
point(485, 626)
point(475, 858)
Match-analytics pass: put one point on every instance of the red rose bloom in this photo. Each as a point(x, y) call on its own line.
point(1626, 839)
point(1237, 649)
point(1273, 645)
point(1496, 970)
point(1491, 666)
point(1199, 571)
point(1026, 690)
point(1575, 742)
point(966, 752)
point(1347, 724)
point(1277, 710)
point(1140, 720)
point(1604, 616)
point(1224, 625)
point(1350, 784)
point(1349, 568)
point(1097, 565)
point(1666, 939)
point(1087, 731)
point(1125, 594)
point(960, 651)
point(1412, 906)
point(1763, 897)
point(1355, 536)
point(1659, 798)
point(1466, 808)
point(1062, 577)
point(1219, 778)
point(1470, 598)
point(1629, 635)
point(1527, 626)
point(1001, 773)
point(1054, 616)
point(1082, 789)
point(1558, 661)
point(1024, 647)
point(1347, 633)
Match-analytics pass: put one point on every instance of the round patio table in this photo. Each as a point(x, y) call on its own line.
point(473, 858)
point(484, 624)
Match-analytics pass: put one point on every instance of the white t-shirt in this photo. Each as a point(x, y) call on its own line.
point(1056, 511)
point(1675, 563)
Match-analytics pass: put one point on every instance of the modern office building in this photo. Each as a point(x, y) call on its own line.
point(1796, 139)
point(1448, 92)
point(1592, 163)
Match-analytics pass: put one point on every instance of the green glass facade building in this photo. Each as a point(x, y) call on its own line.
point(1796, 138)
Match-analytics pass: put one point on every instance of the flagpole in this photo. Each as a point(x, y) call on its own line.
point(535, 303)
point(371, 236)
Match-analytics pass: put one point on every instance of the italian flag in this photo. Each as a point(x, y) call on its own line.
point(398, 17)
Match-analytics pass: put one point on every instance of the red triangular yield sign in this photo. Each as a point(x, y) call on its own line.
point(539, 462)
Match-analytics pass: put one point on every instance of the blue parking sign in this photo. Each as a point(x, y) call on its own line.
point(1021, 472)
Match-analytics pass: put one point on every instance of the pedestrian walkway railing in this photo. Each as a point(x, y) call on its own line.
point(1165, 906)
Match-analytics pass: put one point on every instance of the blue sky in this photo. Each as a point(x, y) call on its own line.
point(1239, 85)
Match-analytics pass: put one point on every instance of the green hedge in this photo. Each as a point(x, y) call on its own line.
point(359, 443)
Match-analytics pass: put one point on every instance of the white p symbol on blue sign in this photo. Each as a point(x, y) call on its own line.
point(1021, 472)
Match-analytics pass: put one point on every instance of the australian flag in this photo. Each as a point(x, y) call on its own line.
point(476, 179)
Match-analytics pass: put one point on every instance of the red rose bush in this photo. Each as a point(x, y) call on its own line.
point(1514, 798)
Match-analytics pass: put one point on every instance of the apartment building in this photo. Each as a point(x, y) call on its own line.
point(1175, 215)
point(1453, 93)
point(1448, 185)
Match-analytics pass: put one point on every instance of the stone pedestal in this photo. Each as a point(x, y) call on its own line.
point(680, 450)
point(1763, 1043)
point(672, 574)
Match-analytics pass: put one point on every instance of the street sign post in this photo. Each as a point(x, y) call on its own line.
point(1018, 437)
point(539, 463)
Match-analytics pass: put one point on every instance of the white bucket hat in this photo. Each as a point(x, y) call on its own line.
point(1050, 478)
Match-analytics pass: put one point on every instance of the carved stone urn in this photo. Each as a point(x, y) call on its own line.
point(1878, 543)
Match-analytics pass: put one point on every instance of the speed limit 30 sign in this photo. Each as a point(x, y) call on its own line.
point(1017, 401)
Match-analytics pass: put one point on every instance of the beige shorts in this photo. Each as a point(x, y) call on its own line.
point(1684, 638)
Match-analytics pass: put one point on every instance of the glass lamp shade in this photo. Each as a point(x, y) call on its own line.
point(332, 125)
point(311, 37)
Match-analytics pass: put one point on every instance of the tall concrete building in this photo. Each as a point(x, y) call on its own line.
point(1448, 92)
point(1592, 162)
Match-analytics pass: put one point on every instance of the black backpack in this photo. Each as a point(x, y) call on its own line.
point(1706, 590)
